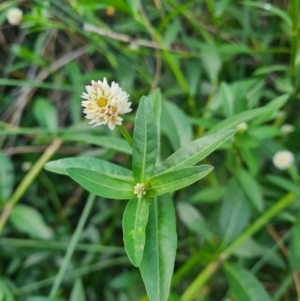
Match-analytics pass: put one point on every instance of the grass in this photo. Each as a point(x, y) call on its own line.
point(217, 62)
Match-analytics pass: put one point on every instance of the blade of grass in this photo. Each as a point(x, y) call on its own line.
point(27, 181)
point(71, 248)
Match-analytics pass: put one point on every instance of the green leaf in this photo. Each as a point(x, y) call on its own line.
point(5, 293)
point(235, 212)
point(283, 183)
point(211, 61)
point(176, 179)
point(272, 108)
point(208, 195)
point(250, 114)
point(195, 151)
point(134, 225)
point(45, 113)
point(251, 249)
point(145, 142)
point(77, 293)
point(273, 10)
point(244, 285)
point(155, 100)
point(102, 184)
point(228, 98)
point(7, 177)
point(115, 171)
point(270, 69)
point(160, 248)
point(193, 220)
point(250, 188)
point(28, 220)
point(114, 143)
point(175, 125)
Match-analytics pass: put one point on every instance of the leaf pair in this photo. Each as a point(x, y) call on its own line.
point(149, 222)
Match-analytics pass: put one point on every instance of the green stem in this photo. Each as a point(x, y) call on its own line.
point(208, 272)
point(125, 134)
point(71, 248)
point(28, 179)
point(259, 223)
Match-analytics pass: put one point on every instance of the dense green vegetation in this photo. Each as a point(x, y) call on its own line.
point(209, 69)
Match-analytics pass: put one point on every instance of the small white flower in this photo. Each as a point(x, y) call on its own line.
point(104, 103)
point(287, 128)
point(14, 16)
point(242, 127)
point(139, 190)
point(283, 159)
point(267, 6)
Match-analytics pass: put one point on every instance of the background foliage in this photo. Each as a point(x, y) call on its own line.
point(217, 64)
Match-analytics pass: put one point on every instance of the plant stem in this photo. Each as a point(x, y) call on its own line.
point(125, 134)
point(207, 273)
point(26, 182)
point(71, 248)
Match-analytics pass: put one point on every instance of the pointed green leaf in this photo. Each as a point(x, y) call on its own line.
point(283, 183)
point(175, 125)
point(244, 285)
point(228, 98)
point(134, 225)
point(208, 195)
point(235, 212)
point(114, 143)
point(193, 220)
point(77, 293)
point(5, 293)
point(110, 169)
point(45, 113)
point(272, 10)
point(160, 248)
point(145, 142)
point(102, 184)
point(156, 103)
point(28, 220)
point(195, 151)
point(234, 120)
point(176, 179)
point(250, 188)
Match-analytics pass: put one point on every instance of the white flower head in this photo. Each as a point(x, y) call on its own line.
point(283, 159)
point(287, 128)
point(104, 103)
point(14, 16)
point(267, 6)
point(139, 190)
point(242, 127)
